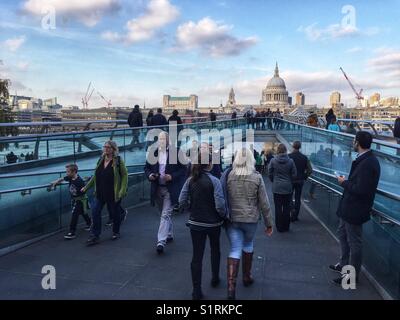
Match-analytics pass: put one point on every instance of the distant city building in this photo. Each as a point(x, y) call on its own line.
point(231, 99)
point(51, 105)
point(375, 99)
point(181, 103)
point(25, 103)
point(95, 114)
point(390, 102)
point(275, 94)
point(300, 99)
point(335, 100)
point(290, 101)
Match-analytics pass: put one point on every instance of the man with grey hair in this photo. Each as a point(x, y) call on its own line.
point(167, 177)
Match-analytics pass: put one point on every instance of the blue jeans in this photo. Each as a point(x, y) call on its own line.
point(241, 236)
point(114, 211)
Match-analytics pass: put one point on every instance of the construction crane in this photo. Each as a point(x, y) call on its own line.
point(109, 104)
point(358, 94)
point(86, 98)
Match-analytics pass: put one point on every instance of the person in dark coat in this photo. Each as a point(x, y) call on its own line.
point(167, 179)
point(396, 130)
point(234, 115)
point(356, 204)
point(202, 195)
point(329, 117)
point(350, 129)
point(135, 120)
point(281, 172)
point(175, 122)
point(304, 170)
point(213, 116)
point(149, 119)
point(159, 119)
point(175, 117)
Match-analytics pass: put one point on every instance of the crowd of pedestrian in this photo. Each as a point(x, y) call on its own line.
point(260, 120)
point(233, 200)
point(11, 157)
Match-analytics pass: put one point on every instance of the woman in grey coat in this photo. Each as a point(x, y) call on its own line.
point(281, 172)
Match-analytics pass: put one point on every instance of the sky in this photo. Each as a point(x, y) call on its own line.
point(136, 51)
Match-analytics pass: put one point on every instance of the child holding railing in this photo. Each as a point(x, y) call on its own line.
point(79, 200)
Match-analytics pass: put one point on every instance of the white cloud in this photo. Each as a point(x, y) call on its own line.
point(211, 37)
point(88, 12)
point(15, 43)
point(335, 31)
point(158, 14)
point(23, 65)
point(354, 50)
point(387, 64)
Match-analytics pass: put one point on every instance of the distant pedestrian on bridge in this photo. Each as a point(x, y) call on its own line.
point(330, 115)
point(304, 170)
point(110, 183)
point(333, 126)
point(350, 128)
point(213, 118)
point(149, 118)
point(175, 120)
point(246, 198)
point(282, 171)
point(167, 179)
point(396, 130)
point(159, 119)
point(135, 120)
point(202, 195)
point(356, 204)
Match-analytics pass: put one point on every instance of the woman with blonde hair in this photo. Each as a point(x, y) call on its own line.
point(110, 183)
point(245, 198)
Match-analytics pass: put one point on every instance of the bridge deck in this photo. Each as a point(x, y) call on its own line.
point(286, 266)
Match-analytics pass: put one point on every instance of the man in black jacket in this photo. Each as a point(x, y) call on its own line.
point(304, 170)
point(159, 119)
point(356, 204)
point(135, 120)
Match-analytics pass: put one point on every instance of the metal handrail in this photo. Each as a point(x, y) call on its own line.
point(55, 135)
point(377, 212)
point(31, 174)
point(82, 122)
point(387, 194)
point(376, 141)
point(49, 184)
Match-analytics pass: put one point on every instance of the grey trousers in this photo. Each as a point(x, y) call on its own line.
point(164, 204)
point(350, 237)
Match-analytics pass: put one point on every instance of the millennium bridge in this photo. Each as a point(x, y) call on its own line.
point(293, 265)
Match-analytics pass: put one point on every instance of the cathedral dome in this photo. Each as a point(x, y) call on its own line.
point(276, 81)
point(275, 94)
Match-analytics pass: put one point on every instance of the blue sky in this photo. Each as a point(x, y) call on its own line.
point(139, 50)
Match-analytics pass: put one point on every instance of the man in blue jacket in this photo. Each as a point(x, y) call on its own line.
point(356, 204)
point(167, 180)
